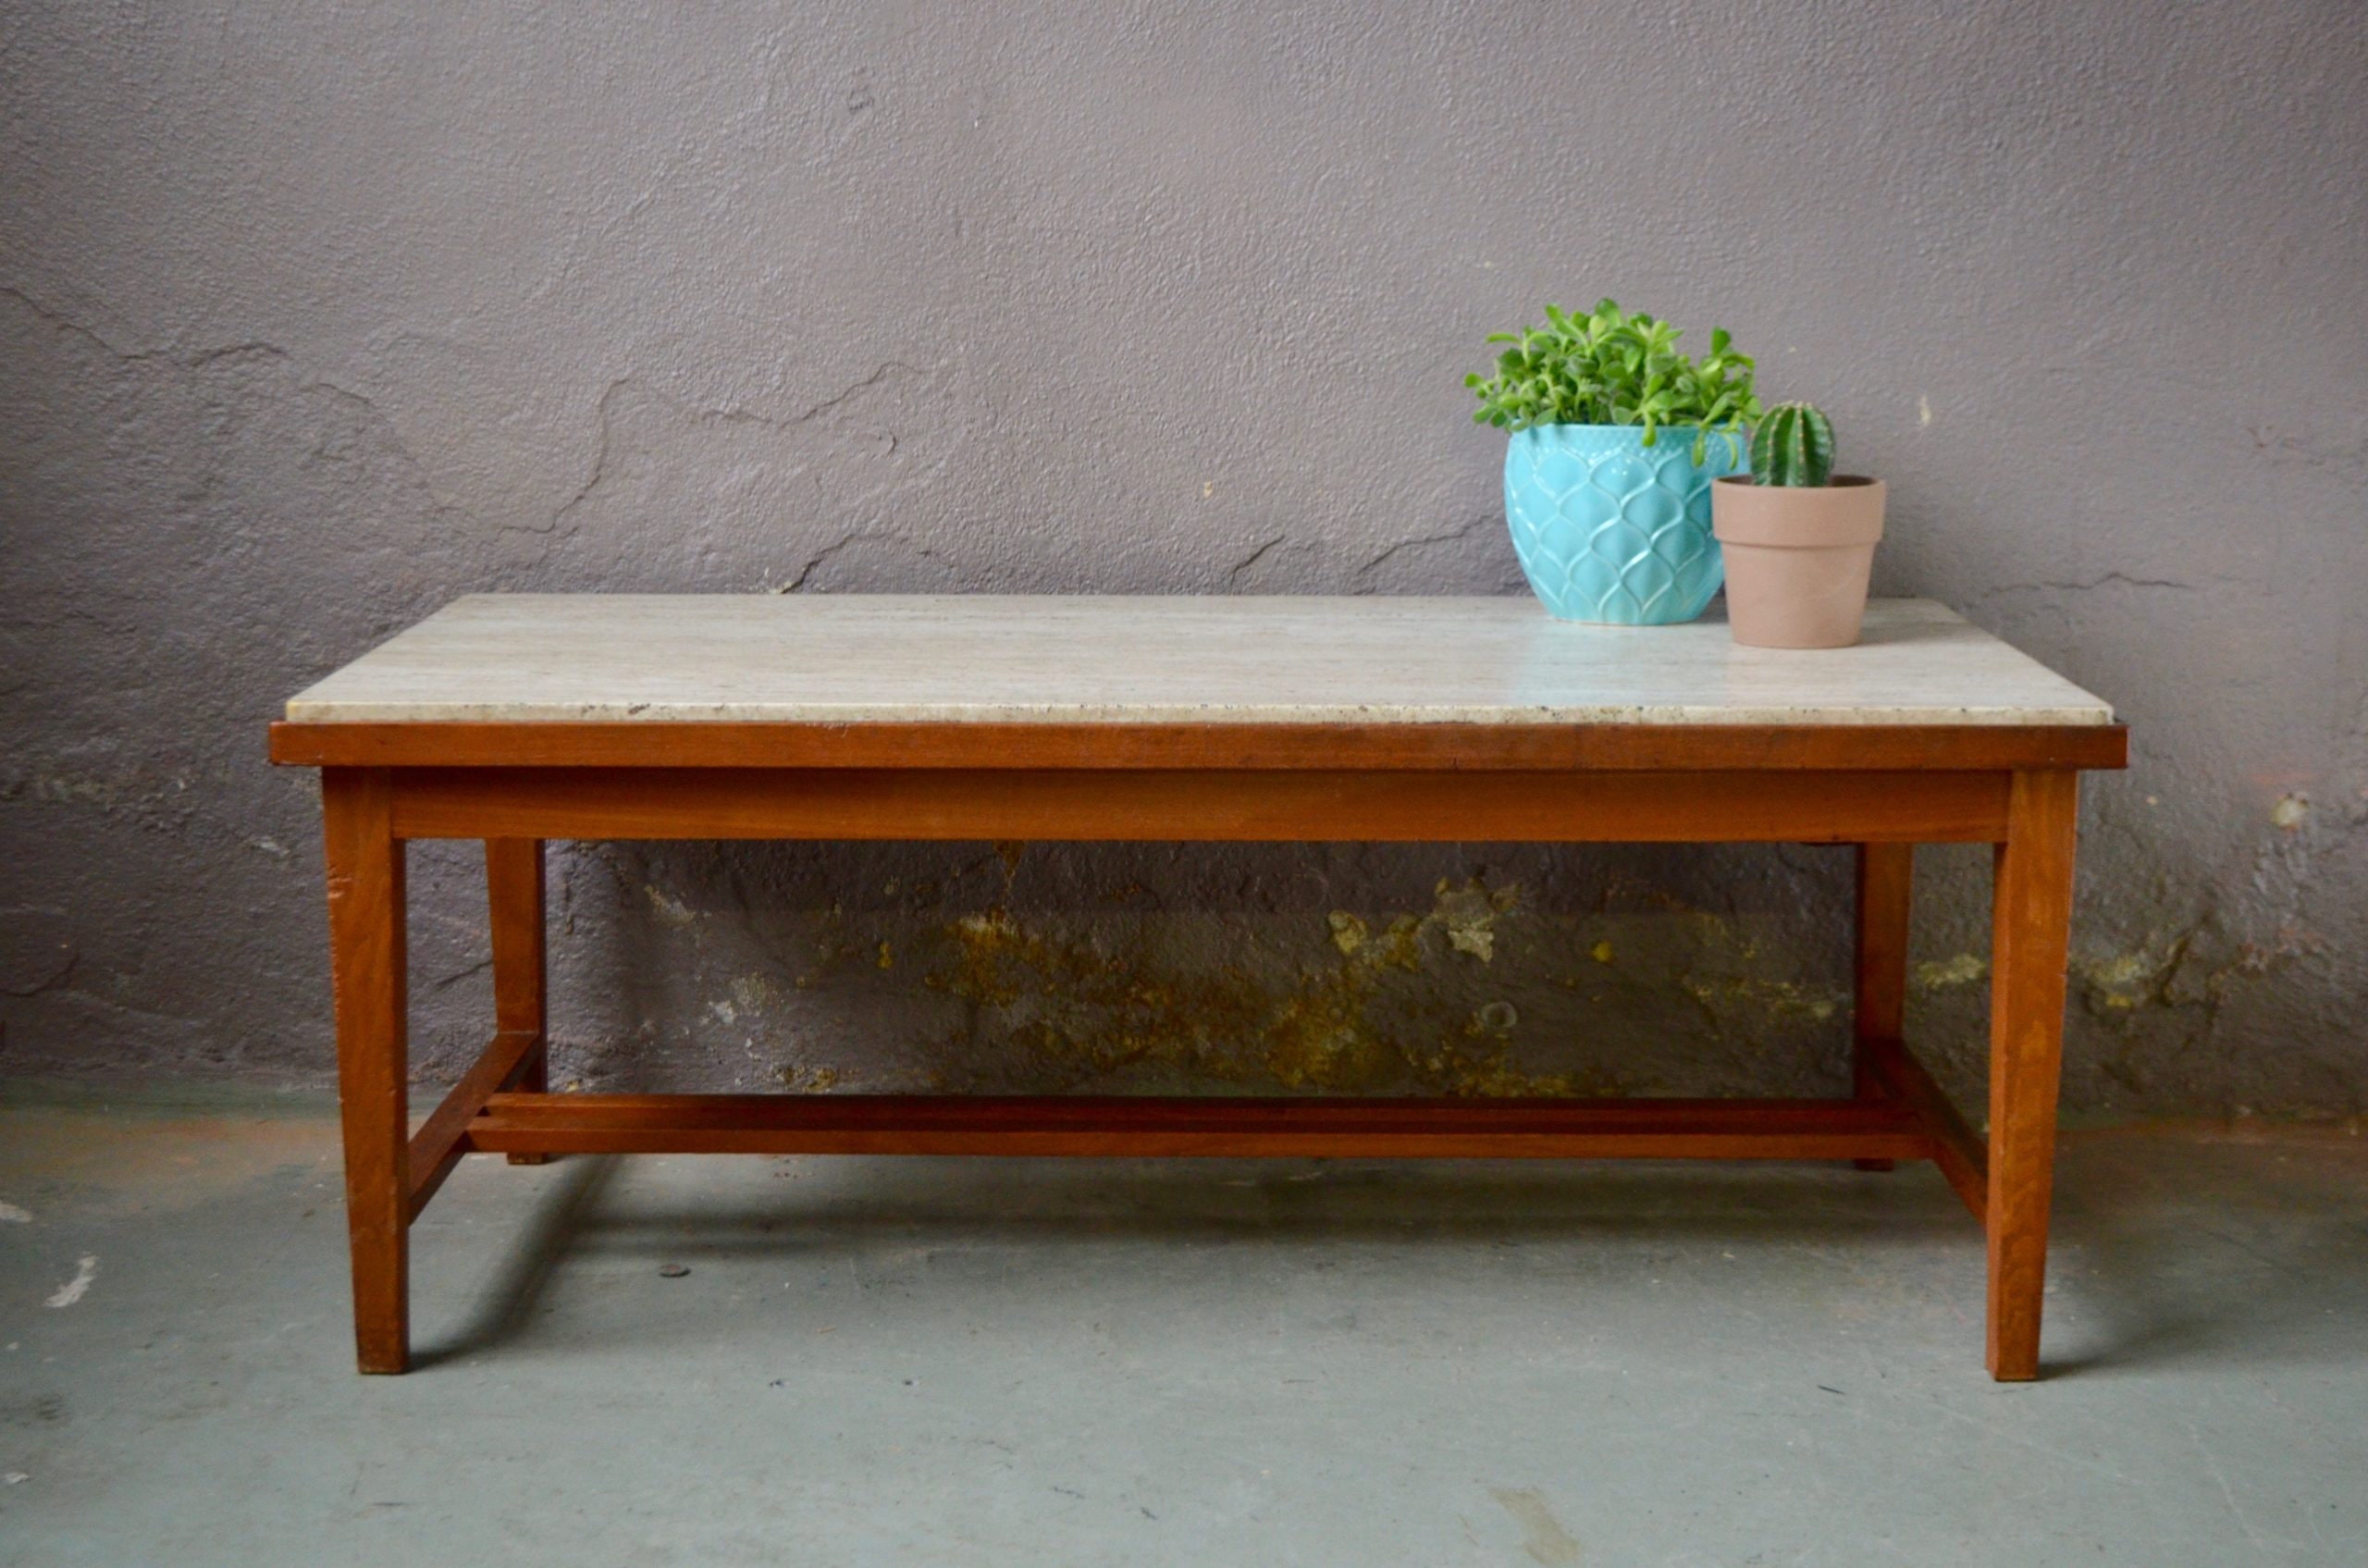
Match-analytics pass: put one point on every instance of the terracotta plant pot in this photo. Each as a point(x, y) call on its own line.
point(1797, 558)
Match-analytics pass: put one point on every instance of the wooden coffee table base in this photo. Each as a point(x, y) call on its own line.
point(502, 1106)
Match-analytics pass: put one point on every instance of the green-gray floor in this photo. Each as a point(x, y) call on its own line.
point(1138, 1363)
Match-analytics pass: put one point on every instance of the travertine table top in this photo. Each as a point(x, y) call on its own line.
point(838, 659)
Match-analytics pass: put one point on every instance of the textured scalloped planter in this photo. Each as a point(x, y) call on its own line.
point(1608, 530)
point(1797, 558)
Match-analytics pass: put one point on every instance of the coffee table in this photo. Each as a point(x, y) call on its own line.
point(520, 718)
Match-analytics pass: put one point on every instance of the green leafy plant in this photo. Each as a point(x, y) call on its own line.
point(1609, 367)
point(1792, 446)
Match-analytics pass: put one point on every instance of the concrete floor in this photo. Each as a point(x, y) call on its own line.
point(922, 1361)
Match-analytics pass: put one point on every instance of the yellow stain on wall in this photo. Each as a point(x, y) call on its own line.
point(1100, 1013)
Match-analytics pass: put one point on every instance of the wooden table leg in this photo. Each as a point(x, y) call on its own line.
point(1886, 873)
point(513, 871)
point(2032, 916)
point(367, 962)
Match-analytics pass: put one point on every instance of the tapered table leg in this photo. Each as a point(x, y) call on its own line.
point(513, 873)
point(1886, 873)
point(2032, 916)
point(367, 957)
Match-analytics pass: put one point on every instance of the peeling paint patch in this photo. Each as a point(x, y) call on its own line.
point(1095, 1012)
point(2141, 977)
point(86, 1270)
point(1776, 998)
point(1941, 974)
point(1469, 915)
point(1400, 946)
point(671, 911)
point(2121, 981)
point(1476, 939)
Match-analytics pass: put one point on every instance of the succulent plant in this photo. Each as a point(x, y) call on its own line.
point(1606, 366)
point(1794, 446)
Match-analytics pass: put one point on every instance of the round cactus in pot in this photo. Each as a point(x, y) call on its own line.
point(1798, 539)
point(1794, 446)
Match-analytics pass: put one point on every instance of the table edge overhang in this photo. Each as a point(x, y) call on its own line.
point(1440, 746)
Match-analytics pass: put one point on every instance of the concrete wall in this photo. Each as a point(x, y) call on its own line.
point(313, 315)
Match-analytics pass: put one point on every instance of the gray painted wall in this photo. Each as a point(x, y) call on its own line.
point(315, 316)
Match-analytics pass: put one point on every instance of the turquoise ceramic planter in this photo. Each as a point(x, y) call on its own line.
point(1610, 529)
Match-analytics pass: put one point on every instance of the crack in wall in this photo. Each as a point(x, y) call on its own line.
point(607, 412)
point(2102, 580)
point(1456, 535)
point(1233, 574)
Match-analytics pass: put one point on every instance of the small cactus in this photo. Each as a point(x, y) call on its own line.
point(1792, 446)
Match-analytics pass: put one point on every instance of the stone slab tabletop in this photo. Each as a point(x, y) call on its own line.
point(850, 657)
